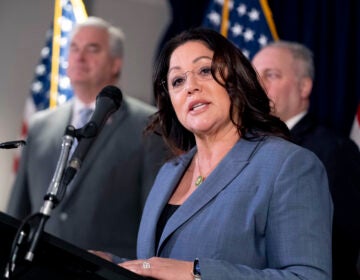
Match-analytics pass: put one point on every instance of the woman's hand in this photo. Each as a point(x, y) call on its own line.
point(161, 268)
point(105, 255)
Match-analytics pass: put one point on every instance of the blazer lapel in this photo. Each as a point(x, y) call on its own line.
point(229, 168)
point(167, 180)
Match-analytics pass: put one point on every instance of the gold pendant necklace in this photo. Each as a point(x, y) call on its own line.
point(200, 178)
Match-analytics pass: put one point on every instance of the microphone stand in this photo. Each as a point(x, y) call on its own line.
point(32, 227)
point(108, 101)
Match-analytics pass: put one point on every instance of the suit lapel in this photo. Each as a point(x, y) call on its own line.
point(301, 129)
point(229, 168)
point(104, 135)
point(59, 121)
point(52, 132)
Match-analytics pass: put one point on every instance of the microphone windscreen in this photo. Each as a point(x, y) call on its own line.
point(113, 93)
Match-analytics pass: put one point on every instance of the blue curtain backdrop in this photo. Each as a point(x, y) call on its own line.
point(330, 28)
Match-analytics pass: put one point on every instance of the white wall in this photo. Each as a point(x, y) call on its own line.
point(23, 25)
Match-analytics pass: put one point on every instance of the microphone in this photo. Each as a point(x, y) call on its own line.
point(107, 102)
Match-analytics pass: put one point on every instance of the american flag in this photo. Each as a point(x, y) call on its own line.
point(355, 130)
point(51, 86)
point(247, 23)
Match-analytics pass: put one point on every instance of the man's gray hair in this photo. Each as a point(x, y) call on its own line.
point(116, 35)
point(299, 52)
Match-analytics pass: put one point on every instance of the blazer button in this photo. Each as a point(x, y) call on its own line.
point(63, 216)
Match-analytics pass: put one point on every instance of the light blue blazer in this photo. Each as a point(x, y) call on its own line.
point(265, 212)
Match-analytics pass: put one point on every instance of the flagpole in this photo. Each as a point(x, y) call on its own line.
point(268, 16)
point(54, 80)
point(225, 18)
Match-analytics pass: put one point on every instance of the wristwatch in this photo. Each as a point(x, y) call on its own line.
point(196, 270)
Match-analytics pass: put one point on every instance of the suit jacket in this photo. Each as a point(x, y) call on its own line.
point(341, 158)
point(102, 207)
point(265, 212)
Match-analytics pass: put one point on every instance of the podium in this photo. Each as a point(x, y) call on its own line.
point(56, 259)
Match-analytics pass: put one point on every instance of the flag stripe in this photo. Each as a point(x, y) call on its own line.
point(355, 130)
point(79, 10)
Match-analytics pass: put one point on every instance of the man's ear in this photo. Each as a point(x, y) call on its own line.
point(306, 85)
point(117, 66)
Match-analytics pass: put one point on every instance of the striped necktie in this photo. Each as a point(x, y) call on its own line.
point(84, 116)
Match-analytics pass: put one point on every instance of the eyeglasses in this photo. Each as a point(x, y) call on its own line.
point(176, 81)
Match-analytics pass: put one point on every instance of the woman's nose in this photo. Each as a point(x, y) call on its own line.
point(191, 83)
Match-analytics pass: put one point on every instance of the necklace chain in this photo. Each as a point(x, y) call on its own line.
point(199, 179)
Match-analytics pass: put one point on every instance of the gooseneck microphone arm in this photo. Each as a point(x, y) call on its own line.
point(54, 191)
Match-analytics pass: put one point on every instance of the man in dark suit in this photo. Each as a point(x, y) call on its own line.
point(102, 207)
point(287, 72)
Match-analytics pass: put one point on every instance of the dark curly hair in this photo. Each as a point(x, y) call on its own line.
point(237, 76)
